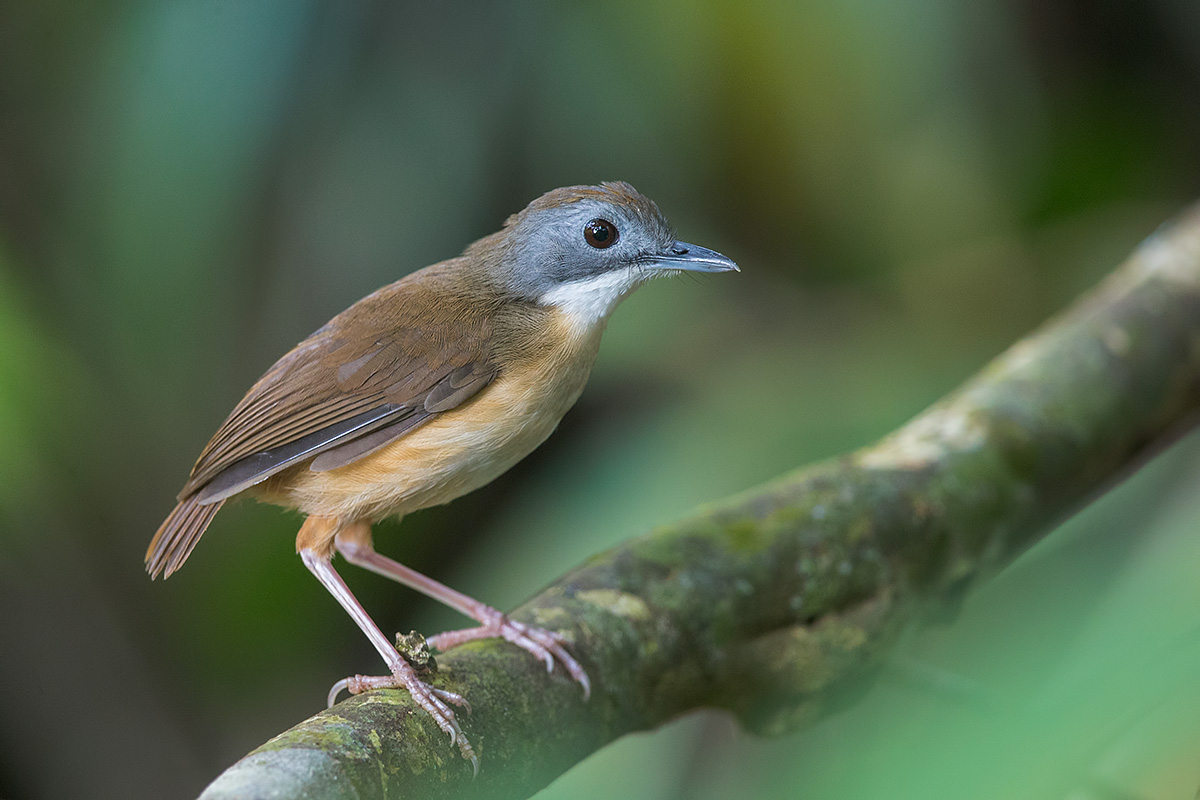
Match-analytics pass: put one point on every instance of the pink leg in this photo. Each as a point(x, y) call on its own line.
point(402, 675)
point(543, 644)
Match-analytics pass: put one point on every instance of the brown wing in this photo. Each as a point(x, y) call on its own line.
point(376, 371)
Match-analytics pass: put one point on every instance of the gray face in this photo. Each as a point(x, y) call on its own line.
point(583, 239)
point(588, 246)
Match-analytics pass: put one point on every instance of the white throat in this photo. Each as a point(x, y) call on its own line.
point(587, 302)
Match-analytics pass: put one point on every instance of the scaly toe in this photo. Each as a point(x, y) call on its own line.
point(548, 646)
point(452, 697)
point(357, 684)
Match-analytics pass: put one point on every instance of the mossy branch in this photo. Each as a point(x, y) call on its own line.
point(771, 604)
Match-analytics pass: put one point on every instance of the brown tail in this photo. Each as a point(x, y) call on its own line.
point(178, 534)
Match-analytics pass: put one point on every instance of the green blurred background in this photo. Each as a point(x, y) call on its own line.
point(188, 188)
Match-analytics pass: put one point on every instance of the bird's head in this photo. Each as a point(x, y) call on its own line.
point(584, 248)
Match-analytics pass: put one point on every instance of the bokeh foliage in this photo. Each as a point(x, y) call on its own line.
point(186, 189)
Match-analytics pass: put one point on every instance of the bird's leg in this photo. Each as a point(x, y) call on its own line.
point(354, 542)
point(432, 700)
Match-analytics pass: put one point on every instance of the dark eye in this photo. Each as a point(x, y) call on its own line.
point(600, 233)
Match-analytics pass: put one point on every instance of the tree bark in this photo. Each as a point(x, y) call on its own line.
point(777, 603)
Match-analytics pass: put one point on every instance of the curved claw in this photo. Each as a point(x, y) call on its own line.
point(335, 690)
point(547, 646)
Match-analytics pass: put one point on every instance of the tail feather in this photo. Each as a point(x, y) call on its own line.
point(175, 538)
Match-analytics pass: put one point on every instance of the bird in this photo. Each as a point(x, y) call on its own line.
point(425, 390)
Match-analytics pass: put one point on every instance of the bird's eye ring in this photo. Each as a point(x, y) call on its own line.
point(600, 233)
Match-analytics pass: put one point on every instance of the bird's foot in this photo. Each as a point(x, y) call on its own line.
point(434, 701)
point(542, 644)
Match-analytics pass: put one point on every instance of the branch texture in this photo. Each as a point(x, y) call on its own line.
point(776, 603)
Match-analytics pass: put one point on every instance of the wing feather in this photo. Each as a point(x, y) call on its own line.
point(390, 362)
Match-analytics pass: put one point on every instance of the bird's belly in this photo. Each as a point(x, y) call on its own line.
point(452, 454)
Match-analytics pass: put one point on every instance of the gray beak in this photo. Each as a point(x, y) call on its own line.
point(693, 258)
